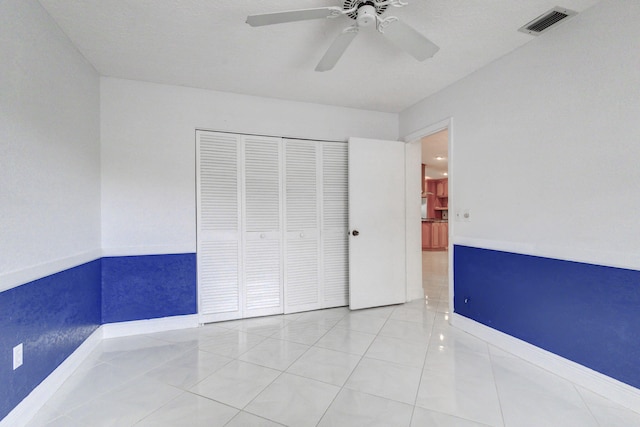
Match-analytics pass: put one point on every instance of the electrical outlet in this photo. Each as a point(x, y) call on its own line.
point(17, 356)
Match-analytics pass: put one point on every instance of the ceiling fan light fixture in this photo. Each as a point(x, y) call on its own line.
point(366, 16)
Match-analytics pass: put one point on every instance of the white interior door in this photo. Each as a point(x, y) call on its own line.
point(377, 266)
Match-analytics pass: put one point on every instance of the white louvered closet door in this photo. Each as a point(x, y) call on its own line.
point(335, 224)
point(218, 215)
point(263, 279)
point(302, 220)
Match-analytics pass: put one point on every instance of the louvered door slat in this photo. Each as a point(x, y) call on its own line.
point(302, 219)
point(218, 252)
point(263, 278)
point(301, 185)
point(336, 270)
point(262, 183)
point(335, 242)
point(302, 290)
point(218, 267)
point(218, 182)
point(335, 186)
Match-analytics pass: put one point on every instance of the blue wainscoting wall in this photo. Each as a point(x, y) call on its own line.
point(54, 315)
point(586, 313)
point(51, 316)
point(148, 287)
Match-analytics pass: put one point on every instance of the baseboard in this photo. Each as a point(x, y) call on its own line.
point(137, 327)
point(30, 405)
point(601, 384)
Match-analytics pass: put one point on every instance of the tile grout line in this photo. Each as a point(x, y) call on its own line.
point(586, 404)
point(282, 372)
point(495, 383)
point(424, 362)
point(334, 327)
point(354, 369)
point(183, 390)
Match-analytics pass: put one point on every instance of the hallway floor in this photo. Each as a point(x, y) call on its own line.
point(391, 366)
point(435, 278)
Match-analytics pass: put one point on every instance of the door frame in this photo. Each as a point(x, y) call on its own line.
point(414, 268)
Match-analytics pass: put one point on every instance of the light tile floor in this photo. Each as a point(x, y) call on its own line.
point(391, 366)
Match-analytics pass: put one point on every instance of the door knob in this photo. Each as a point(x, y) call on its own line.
point(355, 233)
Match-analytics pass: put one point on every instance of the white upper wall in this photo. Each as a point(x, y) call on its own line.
point(148, 153)
point(546, 142)
point(49, 148)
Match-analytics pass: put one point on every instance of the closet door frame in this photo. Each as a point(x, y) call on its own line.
point(244, 237)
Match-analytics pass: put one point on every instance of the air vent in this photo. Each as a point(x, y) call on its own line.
point(546, 21)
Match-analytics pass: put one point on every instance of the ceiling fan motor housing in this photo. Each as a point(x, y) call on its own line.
point(366, 15)
point(350, 4)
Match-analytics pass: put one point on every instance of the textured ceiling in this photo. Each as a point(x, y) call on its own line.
point(206, 44)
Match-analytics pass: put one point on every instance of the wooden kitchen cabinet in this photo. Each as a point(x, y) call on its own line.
point(444, 235)
point(435, 235)
point(442, 188)
point(426, 235)
point(439, 235)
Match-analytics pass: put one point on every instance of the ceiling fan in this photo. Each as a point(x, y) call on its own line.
point(365, 13)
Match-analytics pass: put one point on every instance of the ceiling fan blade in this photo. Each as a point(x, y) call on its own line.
point(408, 39)
point(293, 15)
point(337, 48)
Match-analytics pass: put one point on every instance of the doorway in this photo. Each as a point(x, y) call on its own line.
point(434, 174)
point(430, 272)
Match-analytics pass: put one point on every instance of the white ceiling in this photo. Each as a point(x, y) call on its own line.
point(206, 44)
